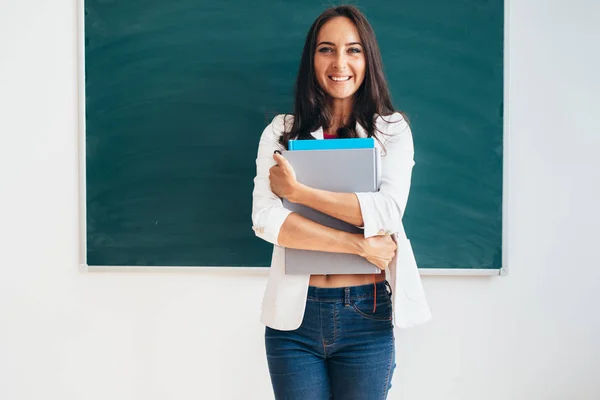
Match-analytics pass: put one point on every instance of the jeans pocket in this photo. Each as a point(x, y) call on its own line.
point(383, 308)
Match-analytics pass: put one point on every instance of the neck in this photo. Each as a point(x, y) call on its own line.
point(340, 111)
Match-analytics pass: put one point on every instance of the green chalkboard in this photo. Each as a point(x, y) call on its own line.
point(178, 92)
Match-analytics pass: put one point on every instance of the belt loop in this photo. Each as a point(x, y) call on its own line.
point(389, 287)
point(346, 296)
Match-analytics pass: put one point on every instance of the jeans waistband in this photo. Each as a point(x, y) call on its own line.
point(349, 292)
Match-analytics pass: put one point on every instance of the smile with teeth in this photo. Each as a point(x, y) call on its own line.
point(340, 78)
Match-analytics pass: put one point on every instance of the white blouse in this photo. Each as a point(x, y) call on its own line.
point(285, 295)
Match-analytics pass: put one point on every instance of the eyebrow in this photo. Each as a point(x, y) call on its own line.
point(333, 44)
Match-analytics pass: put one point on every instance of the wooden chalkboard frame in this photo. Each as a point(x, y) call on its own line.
point(263, 271)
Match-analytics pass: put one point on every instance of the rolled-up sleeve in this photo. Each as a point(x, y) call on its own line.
point(382, 211)
point(268, 212)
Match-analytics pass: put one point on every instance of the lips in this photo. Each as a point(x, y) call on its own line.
point(340, 78)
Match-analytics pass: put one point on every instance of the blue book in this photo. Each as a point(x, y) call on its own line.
point(332, 144)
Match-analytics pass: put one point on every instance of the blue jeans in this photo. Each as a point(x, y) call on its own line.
point(342, 351)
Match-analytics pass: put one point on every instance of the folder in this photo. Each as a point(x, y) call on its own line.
point(332, 144)
point(345, 170)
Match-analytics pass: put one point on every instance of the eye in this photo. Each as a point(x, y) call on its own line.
point(325, 50)
point(354, 50)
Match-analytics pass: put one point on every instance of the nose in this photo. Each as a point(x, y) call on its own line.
point(340, 61)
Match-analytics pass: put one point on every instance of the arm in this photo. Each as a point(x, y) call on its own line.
point(298, 232)
point(301, 233)
point(379, 212)
point(382, 211)
point(278, 225)
point(343, 206)
point(268, 213)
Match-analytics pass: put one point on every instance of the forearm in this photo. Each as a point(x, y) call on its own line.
point(343, 206)
point(301, 233)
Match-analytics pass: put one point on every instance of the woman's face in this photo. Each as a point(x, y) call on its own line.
point(339, 59)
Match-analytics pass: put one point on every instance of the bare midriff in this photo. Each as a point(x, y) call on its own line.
point(332, 281)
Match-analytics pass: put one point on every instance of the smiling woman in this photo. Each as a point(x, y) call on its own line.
point(331, 336)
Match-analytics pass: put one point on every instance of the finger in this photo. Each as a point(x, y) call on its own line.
point(272, 171)
point(273, 188)
point(280, 160)
point(275, 158)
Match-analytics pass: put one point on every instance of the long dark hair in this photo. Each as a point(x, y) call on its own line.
point(372, 97)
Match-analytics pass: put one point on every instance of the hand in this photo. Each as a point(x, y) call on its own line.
point(283, 178)
point(379, 250)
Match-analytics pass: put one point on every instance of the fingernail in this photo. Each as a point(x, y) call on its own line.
point(277, 151)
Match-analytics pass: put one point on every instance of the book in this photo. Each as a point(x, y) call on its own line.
point(343, 170)
point(332, 144)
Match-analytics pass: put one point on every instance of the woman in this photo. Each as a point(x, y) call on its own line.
point(332, 336)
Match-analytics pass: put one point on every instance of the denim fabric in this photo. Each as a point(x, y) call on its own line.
point(342, 351)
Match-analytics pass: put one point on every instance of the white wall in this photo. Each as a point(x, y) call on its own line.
point(534, 334)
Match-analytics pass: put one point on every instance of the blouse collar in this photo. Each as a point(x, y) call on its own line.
point(362, 132)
